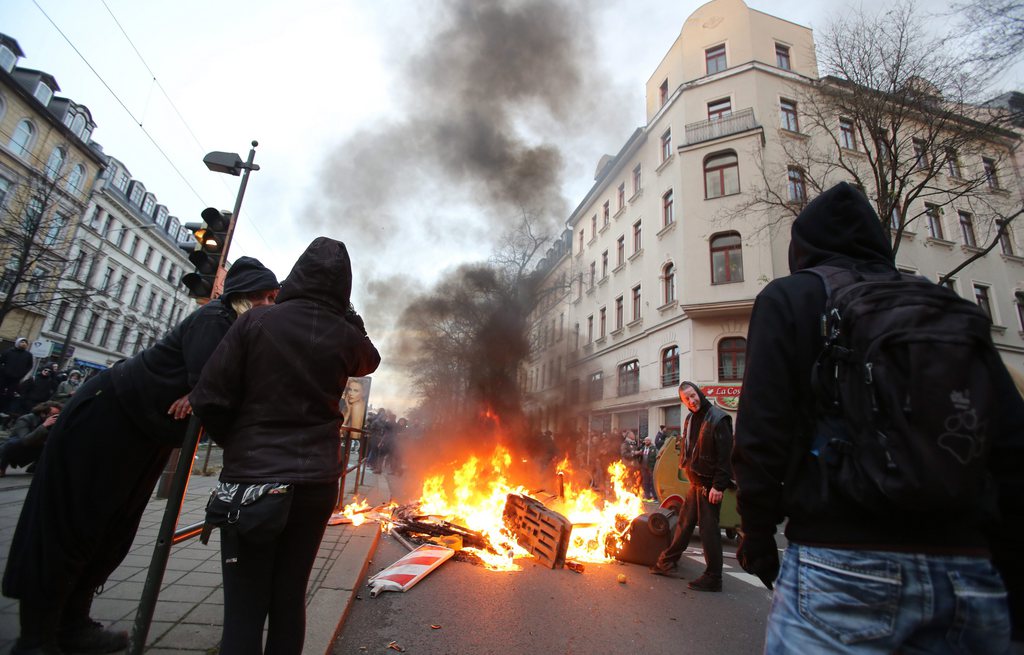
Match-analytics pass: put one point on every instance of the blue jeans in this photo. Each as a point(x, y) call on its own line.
point(830, 600)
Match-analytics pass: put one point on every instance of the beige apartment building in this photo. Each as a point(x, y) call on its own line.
point(663, 257)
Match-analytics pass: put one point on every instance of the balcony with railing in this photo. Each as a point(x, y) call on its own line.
point(734, 123)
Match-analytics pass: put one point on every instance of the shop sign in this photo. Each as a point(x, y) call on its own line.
point(726, 396)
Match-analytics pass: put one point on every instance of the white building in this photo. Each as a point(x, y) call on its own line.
point(664, 260)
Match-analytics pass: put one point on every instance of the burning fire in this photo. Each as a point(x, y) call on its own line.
point(476, 493)
point(356, 511)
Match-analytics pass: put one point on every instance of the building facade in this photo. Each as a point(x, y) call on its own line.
point(666, 256)
point(48, 164)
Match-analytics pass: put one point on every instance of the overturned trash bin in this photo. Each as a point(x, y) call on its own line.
point(409, 570)
point(543, 532)
point(648, 535)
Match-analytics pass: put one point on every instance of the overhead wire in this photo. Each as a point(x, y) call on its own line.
point(134, 118)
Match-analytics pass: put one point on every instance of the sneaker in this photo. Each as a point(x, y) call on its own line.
point(665, 571)
point(93, 638)
point(706, 582)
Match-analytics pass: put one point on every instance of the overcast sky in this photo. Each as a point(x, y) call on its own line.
point(411, 130)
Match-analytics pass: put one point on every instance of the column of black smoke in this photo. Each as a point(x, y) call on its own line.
point(485, 68)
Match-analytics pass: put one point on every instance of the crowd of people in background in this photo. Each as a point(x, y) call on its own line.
point(30, 403)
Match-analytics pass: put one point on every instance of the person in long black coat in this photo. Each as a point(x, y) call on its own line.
point(101, 462)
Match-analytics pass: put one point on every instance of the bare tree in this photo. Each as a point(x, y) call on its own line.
point(993, 30)
point(34, 224)
point(899, 115)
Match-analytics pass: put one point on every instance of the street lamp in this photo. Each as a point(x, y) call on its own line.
point(232, 164)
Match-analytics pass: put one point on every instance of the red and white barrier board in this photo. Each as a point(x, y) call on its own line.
point(409, 570)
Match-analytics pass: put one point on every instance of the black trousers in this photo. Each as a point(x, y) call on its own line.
point(90, 487)
point(269, 579)
point(696, 510)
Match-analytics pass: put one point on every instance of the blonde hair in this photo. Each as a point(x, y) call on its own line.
point(241, 304)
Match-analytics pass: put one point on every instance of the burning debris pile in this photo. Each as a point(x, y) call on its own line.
point(493, 521)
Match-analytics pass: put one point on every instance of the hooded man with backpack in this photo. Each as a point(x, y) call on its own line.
point(856, 430)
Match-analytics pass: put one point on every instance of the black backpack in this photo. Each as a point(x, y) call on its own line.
point(905, 389)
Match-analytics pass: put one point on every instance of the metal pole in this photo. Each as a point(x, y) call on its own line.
point(248, 167)
point(165, 538)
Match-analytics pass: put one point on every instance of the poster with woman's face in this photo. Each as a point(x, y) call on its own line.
point(354, 401)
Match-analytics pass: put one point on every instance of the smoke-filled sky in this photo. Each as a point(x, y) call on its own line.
point(414, 130)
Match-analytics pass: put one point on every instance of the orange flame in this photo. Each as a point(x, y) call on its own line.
point(475, 494)
point(356, 511)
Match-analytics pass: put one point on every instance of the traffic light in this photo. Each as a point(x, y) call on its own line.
point(205, 252)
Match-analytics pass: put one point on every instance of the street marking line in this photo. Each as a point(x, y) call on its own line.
point(746, 577)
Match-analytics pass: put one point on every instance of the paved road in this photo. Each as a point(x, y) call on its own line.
point(538, 610)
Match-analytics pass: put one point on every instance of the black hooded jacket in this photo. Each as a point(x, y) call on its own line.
point(706, 445)
point(270, 393)
point(150, 381)
point(775, 471)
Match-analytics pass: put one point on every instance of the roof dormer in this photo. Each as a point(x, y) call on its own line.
point(10, 53)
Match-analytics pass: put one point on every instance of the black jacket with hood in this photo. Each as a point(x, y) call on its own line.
point(270, 393)
point(775, 471)
point(706, 445)
point(150, 381)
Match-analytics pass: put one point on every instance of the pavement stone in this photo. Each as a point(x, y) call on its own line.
point(189, 612)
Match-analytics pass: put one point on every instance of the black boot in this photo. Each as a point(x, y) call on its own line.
point(706, 582)
point(92, 637)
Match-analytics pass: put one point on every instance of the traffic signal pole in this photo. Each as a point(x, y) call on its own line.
point(167, 535)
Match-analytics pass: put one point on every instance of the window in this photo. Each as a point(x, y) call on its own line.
point(715, 59)
point(581, 240)
point(732, 354)
point(122, 339)
point(1006, 240)
point(920, 155)
point(21, 140)
point(663, 93)
point(90, 327)
point(666, 145)
point(151, 302)
point(1020, 312)
point(78, 127)
point(134, 304)
point(105, 334)
point(667, 217)
point(991, 173)
point(934, 215)
point(620, 251)
point(43, 93)
point(55, 163)
point(147, 205)
point(595, 386)
point(590, 329)
point(967, 229)
point(606, 211)
point(618, 312)
point(121, 181)
point(53, 230)
point(636, 180)
point(58, 318)
point(629, 378)
point(149, 255)
point(4, 186)
point(604, 264)
point(593, 226)
point(636, 303)
point(637, 237)
point(118, 234)
point(719, 109)
point(981, 297)
point(76, 177)
point(796, 184)
point(79, 265)
point(787, 115)
point(952, 163)
point(602, 322)
point(726, 258)
point(136, 194)
point(847, 135)
point(670, 366)
point(721, 175)
point(622, 199)
point(161, 307)
point(108, 275)
point(782, 56)
point(593, 273)
point(7, 58)
point(668, 283)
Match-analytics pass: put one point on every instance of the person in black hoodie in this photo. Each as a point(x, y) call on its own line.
point(853, 580)
point(707, 444)
point(270, 396)
point(101, 462)
point(15, 363)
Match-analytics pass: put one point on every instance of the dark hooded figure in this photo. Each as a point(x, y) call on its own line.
point(270, 396)
point(15, 363)
point(707, 446)
point(99, 467)
point(902, 582)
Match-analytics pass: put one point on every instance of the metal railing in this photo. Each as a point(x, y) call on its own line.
point(734, 123)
